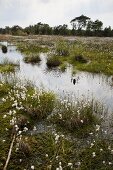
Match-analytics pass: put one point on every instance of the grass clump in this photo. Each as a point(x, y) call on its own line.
point(39, 104)
point(33, 58)
point(4, 49)
point(63, 67)
point(7, 66)
point(28, 48)
point(62, 48)
point(53, 61)
point(79, 119)
point(36, 104)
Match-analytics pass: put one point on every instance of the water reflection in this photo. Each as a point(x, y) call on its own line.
point(81, 84)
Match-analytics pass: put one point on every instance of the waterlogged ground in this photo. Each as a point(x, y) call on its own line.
point(59, 123)
point(82, 84)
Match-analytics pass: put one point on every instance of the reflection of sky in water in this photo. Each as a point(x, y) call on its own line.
point(87, 84)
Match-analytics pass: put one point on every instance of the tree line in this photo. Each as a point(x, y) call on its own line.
point(81, 26)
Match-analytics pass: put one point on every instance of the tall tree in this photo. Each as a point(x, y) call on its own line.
point(80, 22)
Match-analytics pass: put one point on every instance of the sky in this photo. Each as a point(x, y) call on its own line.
point(53, 12)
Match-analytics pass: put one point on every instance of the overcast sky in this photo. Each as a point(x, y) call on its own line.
point(53, 12)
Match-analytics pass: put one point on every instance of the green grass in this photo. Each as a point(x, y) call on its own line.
point(7, 66)
point(63, 67)
point(93, 56)
point(28, 48)
point(62, 48)
point(97, 157)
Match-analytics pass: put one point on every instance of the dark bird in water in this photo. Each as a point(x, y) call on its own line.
point(75, 80)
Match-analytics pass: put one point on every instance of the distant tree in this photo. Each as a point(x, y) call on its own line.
point(97, 25)
point(107, 32)
point(89, 25)
point(80, 22)
point(61, 30)
point(7, 30)
point(17, 30)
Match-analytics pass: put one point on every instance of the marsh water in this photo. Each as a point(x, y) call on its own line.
point(80, 85)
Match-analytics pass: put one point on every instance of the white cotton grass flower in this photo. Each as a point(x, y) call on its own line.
point(16, 127)
point(17, 149)
point(92, 144)
point(10, 113)
point(97, 127)
point(3, 99)
point(110, 163)
point(46, 155)
point(111, 151)
point(19, 132)
point(34, 128)
point(20, 160)
point(70, 164)
point(81, 121)
point(25, 129)
point(59, 168)
point(32, 167)
point(93, 154)
point(56, 138)
point(4, 116)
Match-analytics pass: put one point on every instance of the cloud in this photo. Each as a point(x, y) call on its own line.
point(53, 12)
